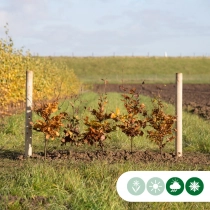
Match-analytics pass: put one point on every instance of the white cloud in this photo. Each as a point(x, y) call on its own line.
point(105, 26)
point(175, 186)
point(4, 19)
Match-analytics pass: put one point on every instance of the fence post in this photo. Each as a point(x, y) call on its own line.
point(28, 119)
point(178, 143)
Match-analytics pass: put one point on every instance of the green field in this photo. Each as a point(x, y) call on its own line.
point(66, 184)
point(138, 69)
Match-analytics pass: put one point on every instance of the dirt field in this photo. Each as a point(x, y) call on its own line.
point(121, 156)
point(196, 98)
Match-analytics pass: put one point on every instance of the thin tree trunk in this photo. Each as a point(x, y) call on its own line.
point(131, 145)
point(161, 149)
point(161, 146)
point(45, 148)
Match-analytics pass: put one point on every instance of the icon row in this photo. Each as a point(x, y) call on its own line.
point(174, 186)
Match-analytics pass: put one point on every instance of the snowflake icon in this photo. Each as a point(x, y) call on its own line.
point(194, 186)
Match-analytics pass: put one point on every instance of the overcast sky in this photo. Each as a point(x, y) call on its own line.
point(107, 27)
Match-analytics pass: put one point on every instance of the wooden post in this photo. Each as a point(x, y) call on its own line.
point(28, 130)
point(178, 143)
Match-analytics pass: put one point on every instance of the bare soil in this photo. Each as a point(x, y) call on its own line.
point(123, 155)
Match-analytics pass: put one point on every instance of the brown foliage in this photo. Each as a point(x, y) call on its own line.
point(99, 128)
point(71, 131)
point(50, 126)
point(131, 124)
point(162, 124)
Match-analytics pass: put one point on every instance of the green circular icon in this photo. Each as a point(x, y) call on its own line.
point(155, 186)
point(136, 186)
point(194, 186)
point(175, 186)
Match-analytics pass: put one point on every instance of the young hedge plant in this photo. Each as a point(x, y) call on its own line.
point(162, 125)
point(130, 123)
point(49, 125)
point(98, 129)
point(72, 133)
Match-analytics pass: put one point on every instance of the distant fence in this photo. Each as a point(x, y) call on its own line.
point(95, 55)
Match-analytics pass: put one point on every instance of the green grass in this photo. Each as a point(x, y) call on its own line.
point(136, 69)
point(75, 185)
point(69, 185)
